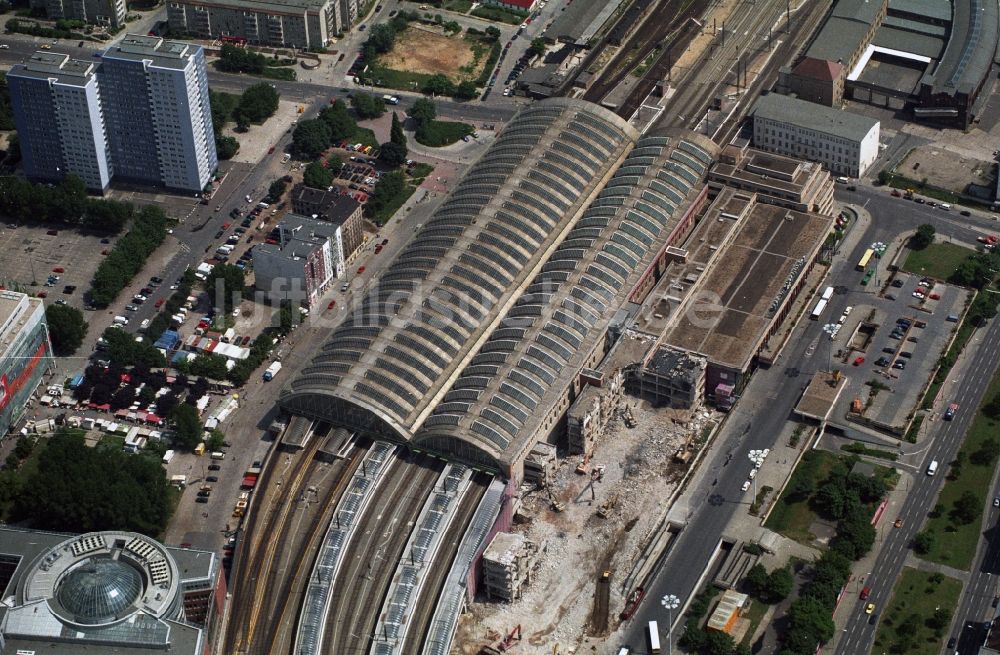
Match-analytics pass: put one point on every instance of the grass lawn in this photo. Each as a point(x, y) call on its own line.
point(938, 260)
point(755, 615)
point(442, 133)
point(461, 6)
point(499, 15)
point(792, 517)
point(955, 545)
point(365, 136)
point(916, 593)
point(382, 217)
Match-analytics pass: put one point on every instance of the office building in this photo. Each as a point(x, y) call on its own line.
point(281, 23)
point(107, 13)
point(56, 104)
point(105, 592)
point(334, 208)
point(846, 143)
point(25, 354)
point(154, 94)
point(306, 257)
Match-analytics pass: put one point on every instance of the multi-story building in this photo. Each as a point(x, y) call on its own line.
point(56, 104)
point(334, 208)
point(106, 592)
point(155, 102)
point(281, 23)
point(110, 13)
point(25, 354)
point(516, 5)
point(846, 143)
point(307, 258)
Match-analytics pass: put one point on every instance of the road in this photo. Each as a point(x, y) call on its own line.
point(768, 400)
point(947, 438)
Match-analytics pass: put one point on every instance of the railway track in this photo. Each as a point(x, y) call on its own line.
point(269, 517)
point(289, 585)
point(426, 603)
point(371, 557)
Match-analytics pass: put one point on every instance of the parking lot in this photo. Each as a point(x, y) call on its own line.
point(34, 255)
point(896, 339)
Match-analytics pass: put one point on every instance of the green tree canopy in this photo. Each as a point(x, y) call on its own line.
point(67, 328)
point(187, 426)
point(381, 38)
point(388, 188)
point(124, 351)
point(466, 90)
point(225, 286)
point(392, 154)
point(423, 110)
point(966, 509)
point(923, 237)
point(276, 190)
point(396, 134)
point(258, 103)
point(81, 489)
point(923, 542)
point(439, 85)
point(537, 47)
point(311, 138)
point(317, 176)
point(226, 147)
point(339, 120)
point(367, 105)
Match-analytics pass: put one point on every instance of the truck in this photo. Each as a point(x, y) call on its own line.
point(271, 371)
point(390, 100)
point(179, 481)
point(167, 456)
point(249, 482)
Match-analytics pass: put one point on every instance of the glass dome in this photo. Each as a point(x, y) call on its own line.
point(99, 590)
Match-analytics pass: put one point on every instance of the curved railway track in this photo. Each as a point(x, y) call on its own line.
point(370, 560)
point(425, 604)
point(269, 516)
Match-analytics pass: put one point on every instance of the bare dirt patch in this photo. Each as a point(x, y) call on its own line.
point(421, 50)
point(947, 169)
point(558, 606)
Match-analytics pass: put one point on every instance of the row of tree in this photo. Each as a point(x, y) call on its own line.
point(65, 203)
point(149, 229)
point(67, 328)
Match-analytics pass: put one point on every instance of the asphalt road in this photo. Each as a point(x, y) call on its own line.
point(947, 438)
point(769, 398)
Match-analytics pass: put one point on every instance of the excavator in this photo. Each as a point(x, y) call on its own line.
point(514, 636)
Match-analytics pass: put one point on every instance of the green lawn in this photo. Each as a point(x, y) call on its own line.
point(955, 545)
point(442, 133)
point(755, 614)
point(461, 6)
point(499, 15)
point(382, 217)
point(919, 594)
point(938, 260)
point(365, 136)
point(792, 517)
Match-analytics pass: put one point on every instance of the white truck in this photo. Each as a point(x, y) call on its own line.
point(271, 371)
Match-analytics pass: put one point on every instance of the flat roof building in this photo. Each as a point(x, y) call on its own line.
point(105, 592)
point(25, 354)
point(154, 95)
point(282, 23)
point(334, 208)
point(60, 126)
point(302, 265)
point(846, 143)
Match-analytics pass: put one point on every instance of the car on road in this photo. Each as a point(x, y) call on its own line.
point(361, 269)
point(870, 608)
point(159, 303)
point(212, 478)
point(897, 283)
point(996, 501)
point(899, 364)
point(746, 485)
point(131, 308)
point(145, 323)
point(858, 361)
point(898, 523)
point(865, 593)
point(201, 499)
point(333, 303)
point(882, 361)
point(214, 467)
point(952, 643)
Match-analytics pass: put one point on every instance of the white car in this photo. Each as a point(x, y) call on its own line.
point(746, 485)
point(145, 323)
point(753, 471)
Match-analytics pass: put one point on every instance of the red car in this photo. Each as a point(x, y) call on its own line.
point(270, 150)
point(361, 269)
point(159, 303)
point(378, 249)
point(225, 226)
point(58, 269)
point(859, 361)
point(333, 303)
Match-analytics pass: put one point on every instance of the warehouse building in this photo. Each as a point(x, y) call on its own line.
point(106, 592)
point(303, 264)
point(846, 143)
point(300, 24)
point(25, 354)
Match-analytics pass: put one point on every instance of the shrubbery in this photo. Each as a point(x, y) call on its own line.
point(127, 258)
point(66, 203)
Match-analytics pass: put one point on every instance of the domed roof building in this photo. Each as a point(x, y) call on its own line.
point(101, 592)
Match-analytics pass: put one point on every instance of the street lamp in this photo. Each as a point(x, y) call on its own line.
point(670, 602)
point(831, 330)
point(879, 248)
point(756, 458)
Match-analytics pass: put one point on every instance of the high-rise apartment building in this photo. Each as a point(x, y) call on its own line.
point(154, 94)
point(57, 111)
point(110, 13)
point(141, 114)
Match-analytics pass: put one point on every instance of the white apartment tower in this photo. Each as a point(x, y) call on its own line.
point(57, 110)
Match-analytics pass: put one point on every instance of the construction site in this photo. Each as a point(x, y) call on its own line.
point(579, 533)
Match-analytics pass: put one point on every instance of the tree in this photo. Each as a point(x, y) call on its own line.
point(923, 237)
point(492, 32)
point(452, 27)
point(423, 111)
point(976, 271)
point(311, 138)
point(80, 489)
point(276, 190)
point(983, 308)
point(756, 579)
point(367, 105)
point(233, 59)
point(396, 134)
point(381, 38)
point(67, 328)
point(966, 509)
point(258, 103)
point(226, 147)
point(940, 620)
point(811, 619)
point(438, 85)
point(187, 427)
point(992, 408)
point(537, 47)
point(388, 188)
point(392, 155)
point(317, 176)
point(466, 90)
point(855, 534)
point(334, 164)
point(216, 440)
point(779, 585)
point(339, 120)
point(225, 283)
point(987, 452)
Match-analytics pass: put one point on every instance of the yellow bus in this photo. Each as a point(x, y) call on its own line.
point(865, 259)
point(200, 449)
